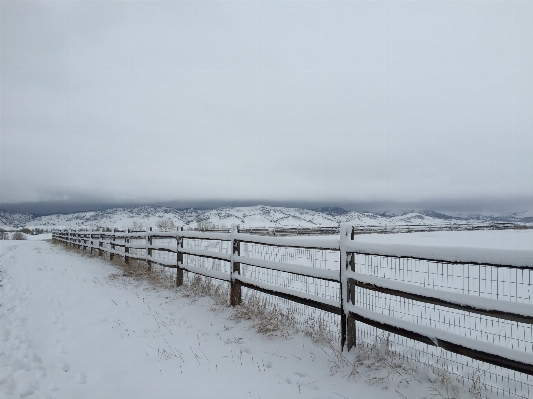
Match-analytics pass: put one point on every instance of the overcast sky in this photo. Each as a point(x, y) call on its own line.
point(284, 102)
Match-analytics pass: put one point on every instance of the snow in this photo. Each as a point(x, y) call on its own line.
point(500, 239)
point(209, 254)
point(289, 267)
point(453, 297)
point(305, 242)
point(39, 237)
point(433, 333)
point(208, 235)
point(161, 261)
point(505, 247)
point(206, 272)
point(70, 327)
point(67, 330)
point(283, 290)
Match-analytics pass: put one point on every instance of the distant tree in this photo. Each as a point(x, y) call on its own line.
point(18, 235)
point(4, 235)
point(165, 224)
point(25, 230)
point(136, 226)
point(205, 225)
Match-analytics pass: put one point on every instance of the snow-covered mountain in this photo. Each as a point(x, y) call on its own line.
point(11, 220)
point(252, 216)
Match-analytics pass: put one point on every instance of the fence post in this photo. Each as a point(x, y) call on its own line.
point(342, 265)
point(100, 253)
point(347, 291)
point(235, 286)
point(149, 250)
point(91, 242)
point(126, 248)
point(112, 245)
point(350, 321)
point(179, 259)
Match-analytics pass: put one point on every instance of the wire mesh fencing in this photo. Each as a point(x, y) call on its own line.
point(503, 283)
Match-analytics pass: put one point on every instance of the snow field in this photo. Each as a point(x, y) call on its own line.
point(70, 327)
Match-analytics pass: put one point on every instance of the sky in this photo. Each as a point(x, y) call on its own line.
point(354, 103)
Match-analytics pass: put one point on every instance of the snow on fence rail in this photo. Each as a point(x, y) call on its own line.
point(477, 305)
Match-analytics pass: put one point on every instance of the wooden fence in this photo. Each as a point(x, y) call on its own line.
point(372, 287)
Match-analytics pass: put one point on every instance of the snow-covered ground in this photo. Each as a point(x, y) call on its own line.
point(39, 237)
point(68, 330)
point(493, 239)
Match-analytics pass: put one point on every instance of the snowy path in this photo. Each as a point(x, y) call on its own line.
point(68, 331)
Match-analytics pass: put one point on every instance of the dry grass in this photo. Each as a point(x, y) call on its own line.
point(198, 286)
point(267, 320)
point(134, 269)
point(138, 271)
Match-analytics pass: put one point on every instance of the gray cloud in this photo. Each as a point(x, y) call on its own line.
point(280, 102)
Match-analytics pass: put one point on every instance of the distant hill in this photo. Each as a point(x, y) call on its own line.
point(13, 220)
point(251, 216)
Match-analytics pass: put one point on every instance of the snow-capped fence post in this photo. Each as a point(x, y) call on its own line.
point(126, 248)
point(350, 291)
point(235, 286)
point(148, 249)
point(179, 259)
point(112, 244)
point(343, 281)
point(100, 243)
point(347, 289)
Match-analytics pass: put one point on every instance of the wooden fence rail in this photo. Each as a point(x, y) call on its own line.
point(348, 278)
